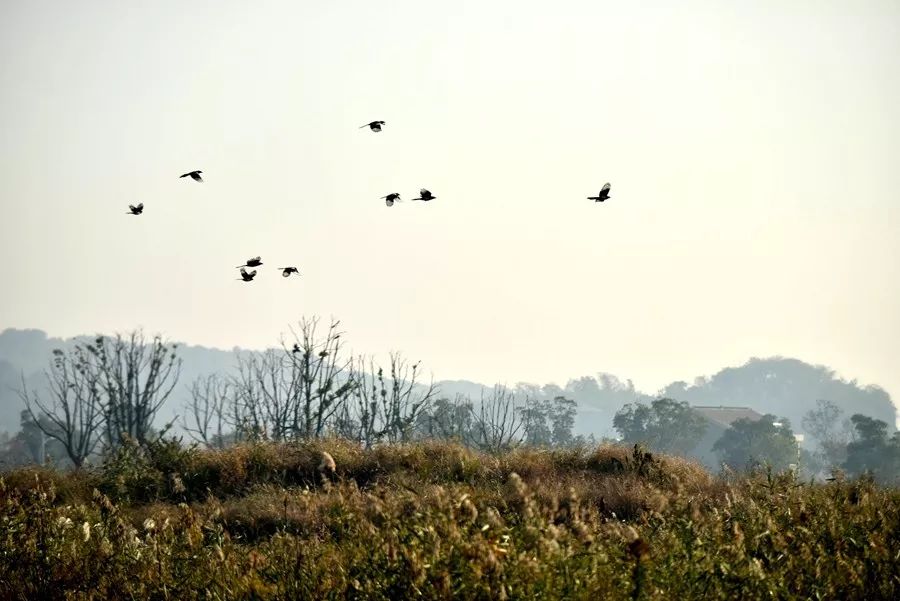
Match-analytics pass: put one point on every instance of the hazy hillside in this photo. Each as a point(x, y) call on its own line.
point(783, 386)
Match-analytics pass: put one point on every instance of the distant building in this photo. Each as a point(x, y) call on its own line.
point(718, 420)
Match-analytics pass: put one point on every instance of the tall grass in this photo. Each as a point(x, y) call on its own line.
point(438, 521)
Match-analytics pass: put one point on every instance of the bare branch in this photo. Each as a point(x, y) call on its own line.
point(73, 415)
point(207, 410)
point(498, 424)
point(137, 377)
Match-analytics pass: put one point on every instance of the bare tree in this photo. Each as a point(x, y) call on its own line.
point(136, 376)
point(497, 422)
point(359, 417)
point(267, 389)
point(293, 392)
point(324, 385)
point(831, 429)
point(208, 410)
point(384, 406)
point(403, 399)
point(73, 414)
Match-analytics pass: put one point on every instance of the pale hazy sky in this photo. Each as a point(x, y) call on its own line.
point(753, 150)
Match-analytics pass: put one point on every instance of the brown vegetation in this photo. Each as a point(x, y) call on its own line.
point(437, 520)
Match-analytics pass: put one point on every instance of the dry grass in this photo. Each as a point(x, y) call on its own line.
point(435, 520)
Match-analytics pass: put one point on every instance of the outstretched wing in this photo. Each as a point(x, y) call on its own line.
point(196, 176)
point(140, 206)
point(255, 260)
point(389, 202)
point(605, 189)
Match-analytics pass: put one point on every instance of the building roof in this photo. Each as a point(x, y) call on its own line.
point(725, 416)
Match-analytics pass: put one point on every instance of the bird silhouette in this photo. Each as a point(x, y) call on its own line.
point(195, 175)
point(374, 125)
point(425, 195)
point(135, 210)
point(604, 194)
point(391, 198)
point(254, 262)
point(287, 271)
point(296, 348)
point(247, 276)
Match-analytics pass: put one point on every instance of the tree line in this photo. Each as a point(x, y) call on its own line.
point(100, 393)
point(854, 445)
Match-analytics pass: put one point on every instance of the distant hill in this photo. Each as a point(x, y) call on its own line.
point(783, 386)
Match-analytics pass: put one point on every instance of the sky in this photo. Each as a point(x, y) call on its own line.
point(752, 148)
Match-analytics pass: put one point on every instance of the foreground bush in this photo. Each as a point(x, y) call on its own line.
point(438, 521)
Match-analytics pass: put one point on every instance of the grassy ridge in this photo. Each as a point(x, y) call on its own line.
point(435, 520)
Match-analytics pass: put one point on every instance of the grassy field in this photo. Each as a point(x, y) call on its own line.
point(437, 521)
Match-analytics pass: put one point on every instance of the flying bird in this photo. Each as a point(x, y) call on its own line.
point(374, 125)
point(604, 194)
point(247, 276)
point(254, 262)
point(425, 195)
point(287, 271)
point(390, 198)
point(195, 175)
point(296, 348)
point(135, 210)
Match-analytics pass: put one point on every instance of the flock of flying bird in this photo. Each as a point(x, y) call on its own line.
point(389, 200)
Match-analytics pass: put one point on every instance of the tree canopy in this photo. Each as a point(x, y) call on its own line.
point(873, 451)
point(764, 442)
point(666, 425)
